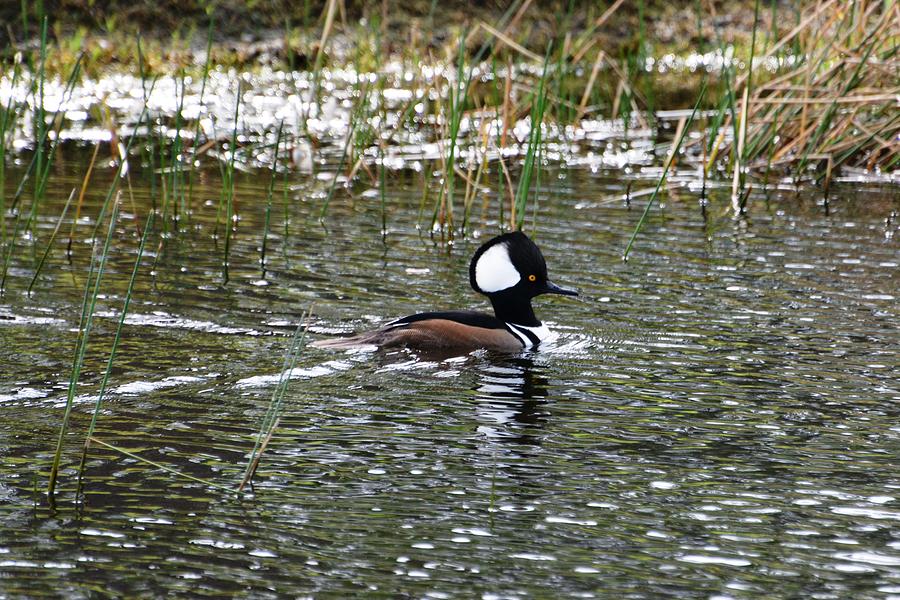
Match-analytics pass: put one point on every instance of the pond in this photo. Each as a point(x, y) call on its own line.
point(719, 416)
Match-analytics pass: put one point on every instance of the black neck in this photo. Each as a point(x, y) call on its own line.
point(514, 309)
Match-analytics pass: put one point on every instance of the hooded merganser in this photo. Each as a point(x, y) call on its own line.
point(510, 270)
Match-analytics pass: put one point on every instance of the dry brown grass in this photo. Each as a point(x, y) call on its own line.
point(840, 105)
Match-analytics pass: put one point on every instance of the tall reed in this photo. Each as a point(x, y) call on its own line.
point(269, 191)
point(89, 301)
point(9, 117)
point(195, 141)
point(443, 206)
point(273, 413)
point(91, 293)
point(837, 105)
point(330, 12)
point(671, 158)
point(228, 183)
point(40, 122)
point(176, 159)
point(148, 227)
point(738, 197)
point(36, 165)
point(531, 164)
point(80, 205)
point(49, 247)
point(356, 117)
point(43, 175)
point(456, 103)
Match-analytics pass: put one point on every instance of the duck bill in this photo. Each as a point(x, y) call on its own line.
point(552, 288)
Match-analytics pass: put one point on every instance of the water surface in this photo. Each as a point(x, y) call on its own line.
point(718, 416)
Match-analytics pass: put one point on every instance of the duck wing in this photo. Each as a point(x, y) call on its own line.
point(458, 330)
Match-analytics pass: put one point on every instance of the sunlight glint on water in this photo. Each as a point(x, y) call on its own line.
point(718, 416)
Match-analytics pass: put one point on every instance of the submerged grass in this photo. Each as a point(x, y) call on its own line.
point(273, 413)
point(160, 466)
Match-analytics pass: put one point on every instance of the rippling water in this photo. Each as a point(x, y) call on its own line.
point(718, 416)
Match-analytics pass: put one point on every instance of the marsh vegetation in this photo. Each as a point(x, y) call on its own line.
point(187, 195)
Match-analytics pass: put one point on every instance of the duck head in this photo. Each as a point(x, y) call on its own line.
point(510, 270)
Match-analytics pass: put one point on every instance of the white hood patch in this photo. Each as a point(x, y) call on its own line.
point(494, 270)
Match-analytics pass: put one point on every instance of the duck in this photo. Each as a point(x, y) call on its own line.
point(511, 271)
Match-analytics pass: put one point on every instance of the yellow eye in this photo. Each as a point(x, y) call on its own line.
point(532, 278)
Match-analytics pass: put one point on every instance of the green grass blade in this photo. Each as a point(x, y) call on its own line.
point(148, 226)
point(162, 467)
point(539, 103)
point(59, 222)
point(662, 178)
point(269, 192)
point(229, 184)
point(36, 159)
point(87, 318)
point(270, 419)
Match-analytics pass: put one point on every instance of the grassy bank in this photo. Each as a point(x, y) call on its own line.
point(781, 95)
point(289, 32)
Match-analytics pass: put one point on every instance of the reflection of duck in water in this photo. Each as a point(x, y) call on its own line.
point(510, 396)
point(510, 270)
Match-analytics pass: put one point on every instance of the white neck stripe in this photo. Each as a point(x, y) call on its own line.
point(526, 342)
point(527, 334)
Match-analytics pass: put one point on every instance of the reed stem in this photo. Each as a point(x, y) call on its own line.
point(84, 331)
point(271, 418)
point(148, 226)
point(269, 192)
point(662, 178)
